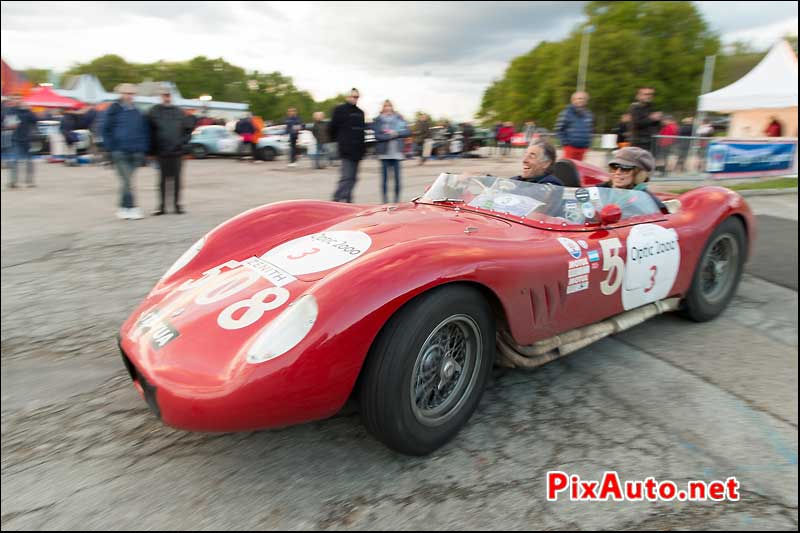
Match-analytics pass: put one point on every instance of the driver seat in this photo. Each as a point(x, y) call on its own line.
point(567, 172)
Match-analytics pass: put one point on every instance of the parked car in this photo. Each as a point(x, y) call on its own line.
point(214, 140)
point(270, 147)
point(304, 140)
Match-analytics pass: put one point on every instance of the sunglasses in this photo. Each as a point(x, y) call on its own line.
point(623, 168)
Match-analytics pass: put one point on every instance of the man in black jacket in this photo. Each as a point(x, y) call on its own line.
point(347, 129)
point(170, 130)
point(645, 121)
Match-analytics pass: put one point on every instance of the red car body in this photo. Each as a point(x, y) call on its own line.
point(200, 379)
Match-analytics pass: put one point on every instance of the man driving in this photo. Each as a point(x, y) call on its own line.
point(537, 165)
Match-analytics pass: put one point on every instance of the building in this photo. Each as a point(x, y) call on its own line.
point(88, 89)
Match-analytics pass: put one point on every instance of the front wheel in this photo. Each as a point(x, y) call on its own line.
point(718, 272)
point(427, 369)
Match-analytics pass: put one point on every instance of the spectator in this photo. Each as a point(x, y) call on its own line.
point(169, 133)
point(321, 132)
point(530, 132)
point(504, 136)
point(347, 129)
point(20, 122)
point(645, 122)
point(390, 130)
point(245, 129)
point(574, 127)
point(623, 131)
point(422, 134)
point(467, 133)
point(70, 123)
point(774, 129)
point(294, 125)
point(685, 143)
point(667, 143)
point(127, 137)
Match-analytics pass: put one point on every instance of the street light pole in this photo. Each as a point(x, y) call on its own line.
point(584, 58)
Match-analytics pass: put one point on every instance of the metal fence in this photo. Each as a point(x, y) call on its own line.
point(680, 158)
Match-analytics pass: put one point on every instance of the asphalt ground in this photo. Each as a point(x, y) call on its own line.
point(670, 399)
point(775, 254)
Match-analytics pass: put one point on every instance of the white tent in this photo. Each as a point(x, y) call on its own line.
point(770, 89)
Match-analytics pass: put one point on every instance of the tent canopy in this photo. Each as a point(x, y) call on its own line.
point(47, 97)
point(772, 84)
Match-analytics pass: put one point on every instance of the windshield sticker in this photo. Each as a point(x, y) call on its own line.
point(588, 210)
point(582, 195)
point(318, 252)
point(512, 204)
point(571, 247)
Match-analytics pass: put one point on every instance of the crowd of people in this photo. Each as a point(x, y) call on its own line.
point(130, 136)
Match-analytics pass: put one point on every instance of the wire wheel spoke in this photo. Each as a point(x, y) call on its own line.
point(444, 370)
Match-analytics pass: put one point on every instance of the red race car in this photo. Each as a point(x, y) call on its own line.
point(281, 314)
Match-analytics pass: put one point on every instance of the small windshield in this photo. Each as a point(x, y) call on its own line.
point(549, 204)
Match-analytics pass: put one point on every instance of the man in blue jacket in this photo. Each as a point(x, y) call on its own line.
point(574, 127)
point(294, 125)
point(126, 135)
point(21, 122)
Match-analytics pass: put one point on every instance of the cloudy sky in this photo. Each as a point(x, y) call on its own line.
point(434, 55)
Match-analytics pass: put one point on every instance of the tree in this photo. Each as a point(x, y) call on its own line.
point(663, 44)
point(110, 69)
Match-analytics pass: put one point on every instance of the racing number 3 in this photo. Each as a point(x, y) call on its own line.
point(614, 264)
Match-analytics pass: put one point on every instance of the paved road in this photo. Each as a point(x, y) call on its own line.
point(668, 399)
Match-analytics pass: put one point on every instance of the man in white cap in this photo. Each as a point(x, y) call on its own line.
point(126, 135)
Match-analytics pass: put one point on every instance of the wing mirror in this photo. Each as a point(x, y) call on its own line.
point(610, 214)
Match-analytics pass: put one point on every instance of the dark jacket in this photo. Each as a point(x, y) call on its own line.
point(125, 130)
point(321, 131)
point(347, 129)
point(69, 123)
point(169, 130)
point(244, 126)
point(26, 124)
point(574, 127)
point(293, 126)
point(642, 126)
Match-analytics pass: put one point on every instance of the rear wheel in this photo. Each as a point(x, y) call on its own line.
point(718, 272)
point(266, 153)
point(198, 151)
point(427, 370)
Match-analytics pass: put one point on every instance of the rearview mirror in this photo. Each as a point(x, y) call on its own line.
point(610, 214)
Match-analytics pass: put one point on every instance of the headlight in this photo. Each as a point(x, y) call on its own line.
point(183, 260)
point(286, 331)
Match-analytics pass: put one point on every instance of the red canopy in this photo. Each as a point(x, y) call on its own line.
point(47, 97)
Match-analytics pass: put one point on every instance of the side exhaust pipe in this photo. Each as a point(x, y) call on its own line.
point(513, 355)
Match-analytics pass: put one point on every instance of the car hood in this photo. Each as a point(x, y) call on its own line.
point(197, 327)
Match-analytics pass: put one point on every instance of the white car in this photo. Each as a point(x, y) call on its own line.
point(305, 140)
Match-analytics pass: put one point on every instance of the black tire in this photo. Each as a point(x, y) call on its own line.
point(198, 151)
point(406, 364)
point(267, 153)
point(714, 285)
